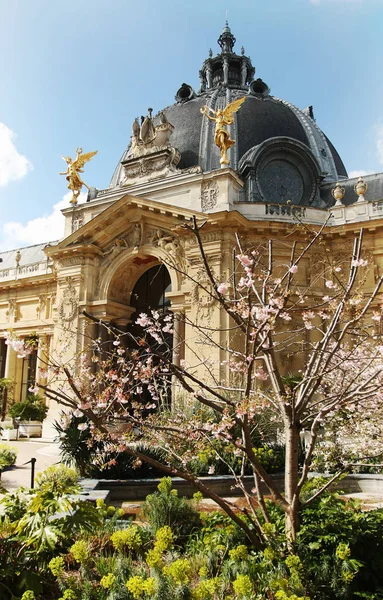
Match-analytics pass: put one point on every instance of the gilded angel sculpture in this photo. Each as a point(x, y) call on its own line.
point(75, 167)
point(222, 119)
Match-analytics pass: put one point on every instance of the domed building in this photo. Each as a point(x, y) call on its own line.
point(127, 249)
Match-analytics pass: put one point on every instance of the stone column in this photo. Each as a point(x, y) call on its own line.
point(178, 353)
point(42, 359)
point(178, 337)
point(209, 76)
point(225, 70)
point(9, 373)
point(10, 363)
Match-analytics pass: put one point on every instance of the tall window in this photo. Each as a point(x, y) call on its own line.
point(29, 373)
point(3, 356)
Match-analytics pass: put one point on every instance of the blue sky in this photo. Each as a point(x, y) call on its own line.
point(76, 73)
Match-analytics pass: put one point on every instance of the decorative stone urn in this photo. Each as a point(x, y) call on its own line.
point(360, 189)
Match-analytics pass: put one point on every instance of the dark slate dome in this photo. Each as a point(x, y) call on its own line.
point(265, 126)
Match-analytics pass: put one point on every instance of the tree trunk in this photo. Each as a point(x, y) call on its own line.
point(291, 478)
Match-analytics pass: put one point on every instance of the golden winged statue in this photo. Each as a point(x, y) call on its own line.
point(222, 119)
point(75, 167)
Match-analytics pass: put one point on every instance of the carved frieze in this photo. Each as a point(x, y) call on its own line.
point(70, 261)
point(211, 236)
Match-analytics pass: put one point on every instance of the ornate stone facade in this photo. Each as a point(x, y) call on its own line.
point(277, 186)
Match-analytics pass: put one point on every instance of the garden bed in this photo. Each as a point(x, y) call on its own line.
point(224, 485)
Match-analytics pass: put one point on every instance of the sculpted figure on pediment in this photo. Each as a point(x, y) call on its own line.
point(118, 245)
point(135, 236)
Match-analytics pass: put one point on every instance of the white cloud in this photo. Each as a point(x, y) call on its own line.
point(13, 165)
point(39, 230)
point(359, 173)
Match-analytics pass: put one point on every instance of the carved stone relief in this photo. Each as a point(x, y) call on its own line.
point(70, 261)
point(13, 311)
point(212, 236)
point(202, 294)
point(173, 246)
point(209, 195)
point(41, 307)
point(68, 305)
point(77, 222)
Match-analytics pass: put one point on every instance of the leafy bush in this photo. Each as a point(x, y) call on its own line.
point(30, 409)
point(7, 456)
point(165, 507)
point(342, 548)
point(60, 548)
point(58, 479)
point(6, 395)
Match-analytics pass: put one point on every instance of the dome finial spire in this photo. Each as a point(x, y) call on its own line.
point(226, 40)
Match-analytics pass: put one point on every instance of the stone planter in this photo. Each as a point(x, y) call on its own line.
point(8, 435)
point(30, 429)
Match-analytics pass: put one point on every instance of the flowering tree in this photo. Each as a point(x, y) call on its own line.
point(329, 327)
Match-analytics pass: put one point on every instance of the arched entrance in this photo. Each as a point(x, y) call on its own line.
point(149, 294)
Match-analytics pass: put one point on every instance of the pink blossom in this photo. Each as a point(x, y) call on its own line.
point(222, 288)
point(337, 269)
point(293, 269)
point(82, 426)
point(34, 389)
point(285, 316)
point(116, 343)
point(261, 374)
point(330, 284)
point(245, 260)
point(143, 320)
point(359, 262)
point(307, 316)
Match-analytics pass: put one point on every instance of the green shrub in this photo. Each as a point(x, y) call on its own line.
point(7, 456)
point(341, 548)
point(165, 507)
point(59, 479)
point(30, 409)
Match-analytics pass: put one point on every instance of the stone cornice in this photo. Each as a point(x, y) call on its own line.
point(33, 281)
